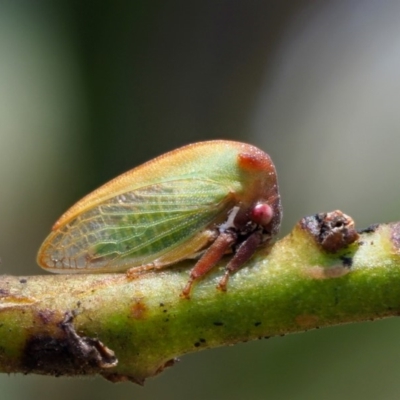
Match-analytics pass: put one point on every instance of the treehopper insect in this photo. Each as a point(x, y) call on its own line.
point(206, 199)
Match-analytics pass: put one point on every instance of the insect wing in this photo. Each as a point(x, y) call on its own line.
point(135, 228)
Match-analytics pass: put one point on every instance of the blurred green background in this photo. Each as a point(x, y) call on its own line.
point(91, 89)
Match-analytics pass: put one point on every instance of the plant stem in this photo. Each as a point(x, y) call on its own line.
point(67, 324)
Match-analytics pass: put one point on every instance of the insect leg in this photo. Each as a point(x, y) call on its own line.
point(243, 253)
point(214, 253)
point(135, 272)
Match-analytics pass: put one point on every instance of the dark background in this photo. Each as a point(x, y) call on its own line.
point(91, 89)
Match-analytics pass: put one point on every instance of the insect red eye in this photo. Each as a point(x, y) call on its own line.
point(262, 214)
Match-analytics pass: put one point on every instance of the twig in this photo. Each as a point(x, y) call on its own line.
point(323, 273)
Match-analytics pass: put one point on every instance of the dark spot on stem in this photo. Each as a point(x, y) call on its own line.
point(347, 261)
point(217, 323)
point(200, 342)
point(369, 229)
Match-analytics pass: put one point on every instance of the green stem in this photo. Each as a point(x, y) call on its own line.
point(294, 286)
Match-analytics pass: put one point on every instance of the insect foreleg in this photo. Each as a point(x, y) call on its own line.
point(243, 253)
point(214, 253)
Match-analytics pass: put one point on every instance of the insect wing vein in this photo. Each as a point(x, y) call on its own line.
point(136, 227)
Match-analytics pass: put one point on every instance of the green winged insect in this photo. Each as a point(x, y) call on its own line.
point(205, 199)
